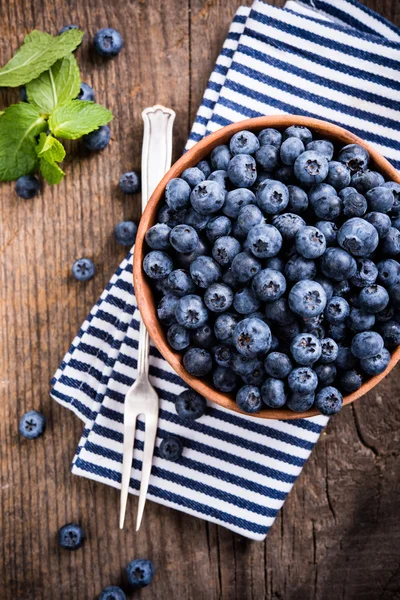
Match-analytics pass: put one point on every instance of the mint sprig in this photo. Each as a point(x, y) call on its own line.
point(28, 130)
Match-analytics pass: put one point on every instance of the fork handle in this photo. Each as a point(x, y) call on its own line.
point(156, 160)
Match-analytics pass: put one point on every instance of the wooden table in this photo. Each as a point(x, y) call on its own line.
point(338, 535)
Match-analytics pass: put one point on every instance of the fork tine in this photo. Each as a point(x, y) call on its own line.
point(149, 443)
point(129, 436)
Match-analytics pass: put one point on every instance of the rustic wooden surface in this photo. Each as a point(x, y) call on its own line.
point(338, 535)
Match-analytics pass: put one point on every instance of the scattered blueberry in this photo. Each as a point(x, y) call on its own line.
point(129, 183)
point(108, 42)
point(140, 572)
point(32, 425)
point(71, 536)
point(86, 93)
point(112, 593)
point(97, 140)
point(125, 233)
point(27, 186)
point(171, 448)
point(83, 269)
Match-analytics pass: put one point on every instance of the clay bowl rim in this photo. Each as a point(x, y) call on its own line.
point(146, 300)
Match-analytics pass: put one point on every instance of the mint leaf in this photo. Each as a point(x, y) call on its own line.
point(37, 54)
point(77, 118)
point(19, 124)
point(50, 171)
point(60, 84)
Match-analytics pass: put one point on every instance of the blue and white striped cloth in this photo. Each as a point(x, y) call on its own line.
point(332, 59)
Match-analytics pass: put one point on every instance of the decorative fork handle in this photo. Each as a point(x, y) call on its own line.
point(156, 160)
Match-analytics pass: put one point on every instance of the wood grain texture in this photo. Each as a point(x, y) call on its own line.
point(339, 532)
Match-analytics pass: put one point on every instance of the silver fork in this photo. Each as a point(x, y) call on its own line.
point(142, 398)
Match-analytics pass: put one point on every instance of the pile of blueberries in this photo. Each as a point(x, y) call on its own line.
point(275, 260)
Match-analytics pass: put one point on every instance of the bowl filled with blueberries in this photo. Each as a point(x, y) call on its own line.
point(266, 270)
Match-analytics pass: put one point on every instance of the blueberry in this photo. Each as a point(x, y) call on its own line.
point(32, 425)
point(366, 180)
point(314, 326)
point(190, 406)
point(157, 264)
point(367, 273)
point(380, 221)
point(270, 137)
point(305, 349)
point(242, 170)
point(249, 216)
point(185, 260)
point(112, 593)
point(157, 237)
point(388, 272)
point(246, 301)
point(125, 233)
point(288, 332)
point(290, 149)
point(366, 344)
point(337, 310)
point(307, 298)
point(197, 362)
point(203, 337)
point(224, 379)
point(177, 193)
point(67, 28)
point(310, 242)
point(27, 187)
point(167, 307)
point(230, 280)
point(273, 392)
point(360, 320)
point(190, 311)
point(311, 167)
point(267, 157)
point(299, 131)
point(288, 224)
point(341, 288)
point(390, 332)
point(248, 399)
point(329, 229)
point(224, 327)
point(184, 238)
point(161, 285)
point(264, 240)
point(23, 96)
point(218, 297)
point(298, 268)
point(349, 381)
point(225, 249)
point(245, 266)
point(269, 285)
point(302, 380)
point(237, 199)
point(327, 285)
point(339, 175)
point(326, 374)
point(83, 269)
point(278, 365)
point(376, 364)
point(391, 242)
point(196, 220)
point(71, 536)
point(108, 42)
point(193, 176)
point(345, 358)
point(298, 199)
point(338, 264)
point(300, 402)
point(395, 187)
point(178, 337)
point(355, 157)
point(220, 177)
point(385, 315)
point(276, 263)
point(222, 355)
point(320, 192)
point(220, 157)
point(251, 337)
point(204, 271)
point(353, 203)
point(244, 142)
point(329, 208)
point(324, 147)
point(328, 401)
point(170, 217)
point(218, 227)
point(97, 140)
point(204, 167)
point(272, 196)
point(207, 197)
point(358, 237)
point(394, 291)
point(180, 283)
point(86, 92)
point(373, 298)
point(380, 199)
point(285, 174)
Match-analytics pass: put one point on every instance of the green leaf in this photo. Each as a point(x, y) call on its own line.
point(37, 54)
point(77, 118)
point(19, 125)
point(55, 87)
point(50, 171)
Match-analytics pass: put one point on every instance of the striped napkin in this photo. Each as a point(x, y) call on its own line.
point(333, 59)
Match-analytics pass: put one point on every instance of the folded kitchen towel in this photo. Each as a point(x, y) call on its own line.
point(333, 59)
